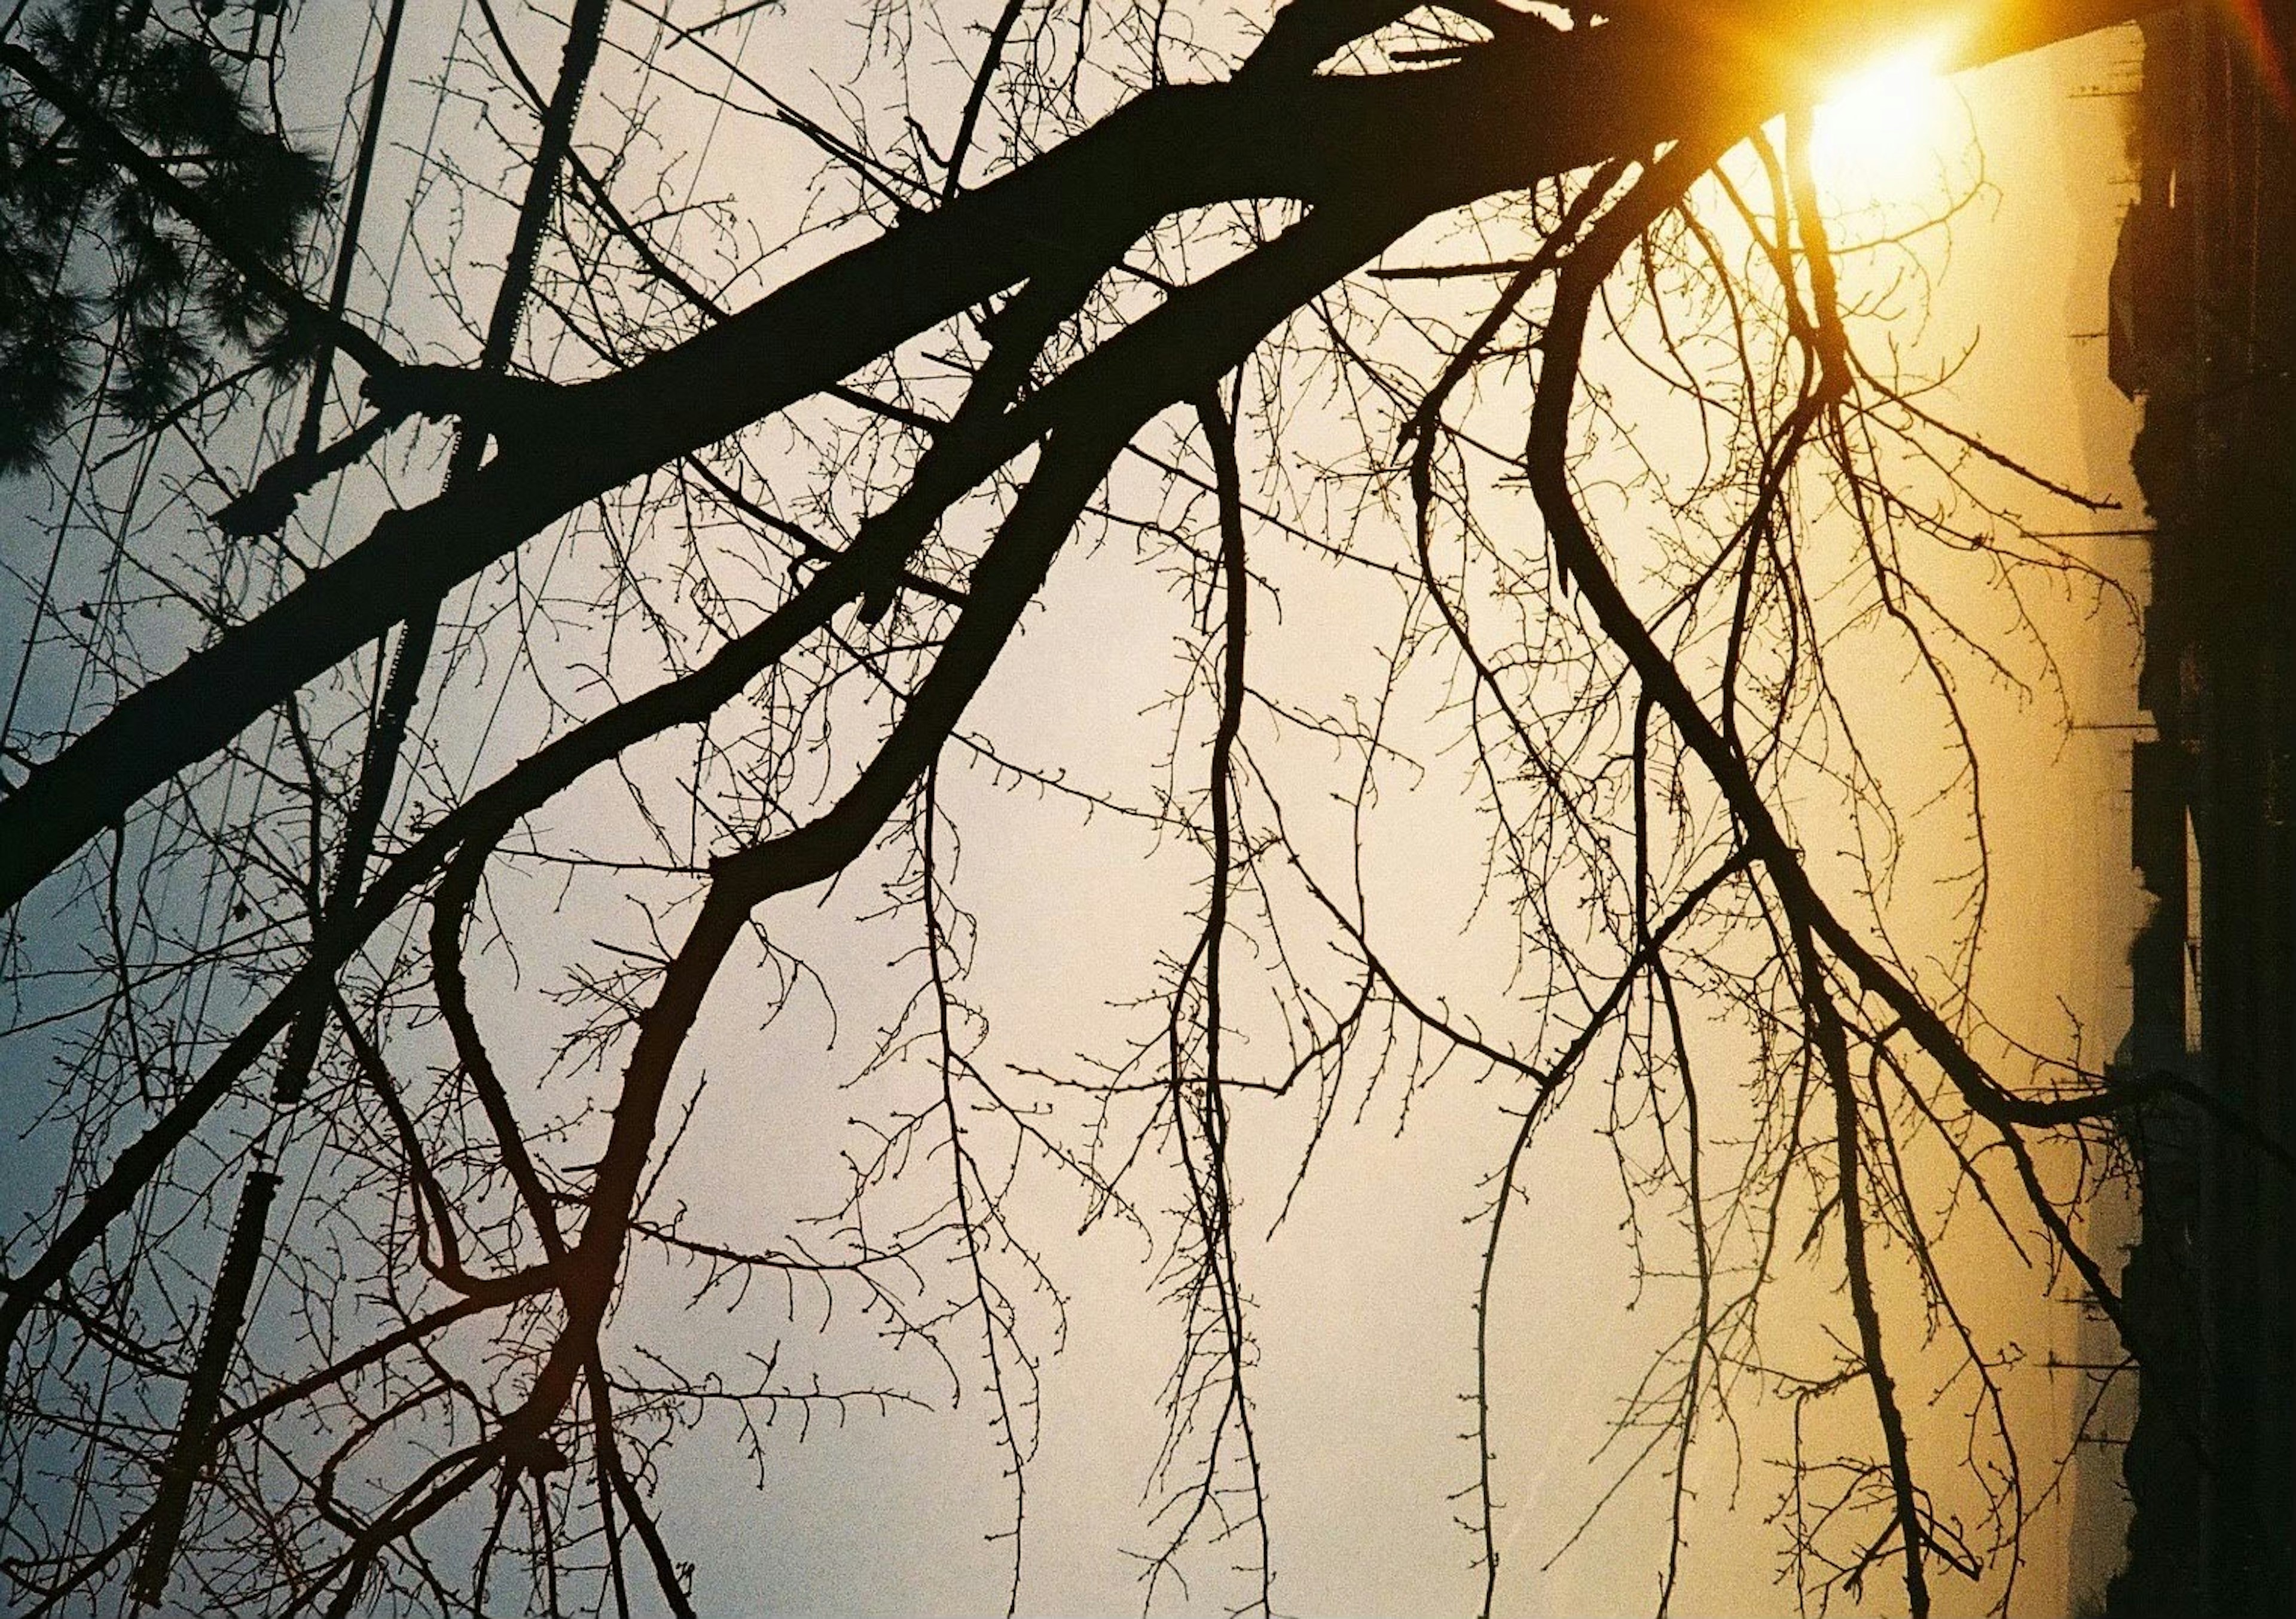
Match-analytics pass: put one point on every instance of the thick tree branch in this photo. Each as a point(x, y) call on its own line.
point(1499, 119)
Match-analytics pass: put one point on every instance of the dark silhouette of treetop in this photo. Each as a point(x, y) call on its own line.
point(155, 245)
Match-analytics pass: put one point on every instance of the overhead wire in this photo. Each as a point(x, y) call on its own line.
point(386, 738)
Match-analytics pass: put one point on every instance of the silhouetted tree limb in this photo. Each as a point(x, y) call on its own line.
point(1114, 331)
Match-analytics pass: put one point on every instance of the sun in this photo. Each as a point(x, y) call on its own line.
point(1878, 132)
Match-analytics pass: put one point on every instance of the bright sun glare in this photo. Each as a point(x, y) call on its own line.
point(1877, 135)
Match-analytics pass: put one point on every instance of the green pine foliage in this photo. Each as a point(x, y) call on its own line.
point(87, 258)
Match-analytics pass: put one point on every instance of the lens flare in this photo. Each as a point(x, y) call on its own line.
point(1877, 135)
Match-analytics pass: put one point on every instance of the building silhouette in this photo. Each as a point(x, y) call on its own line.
point(2204, 329)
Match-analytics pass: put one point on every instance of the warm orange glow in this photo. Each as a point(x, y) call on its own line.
point(1878, 132)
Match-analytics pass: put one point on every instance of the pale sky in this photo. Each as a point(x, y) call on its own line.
point(1363, 1295)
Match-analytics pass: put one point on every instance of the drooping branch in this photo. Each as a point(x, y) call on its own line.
point(1547, 1083)
point(1051, 438)
point(1195, 335)
point(1831, 1043)
point(1003, 584)
point(378, 771)
point(972, 1201)
point(1581, 559)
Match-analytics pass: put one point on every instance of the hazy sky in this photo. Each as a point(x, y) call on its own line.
point(1363, 1295)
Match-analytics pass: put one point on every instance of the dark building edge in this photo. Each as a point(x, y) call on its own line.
point(2204, 330)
